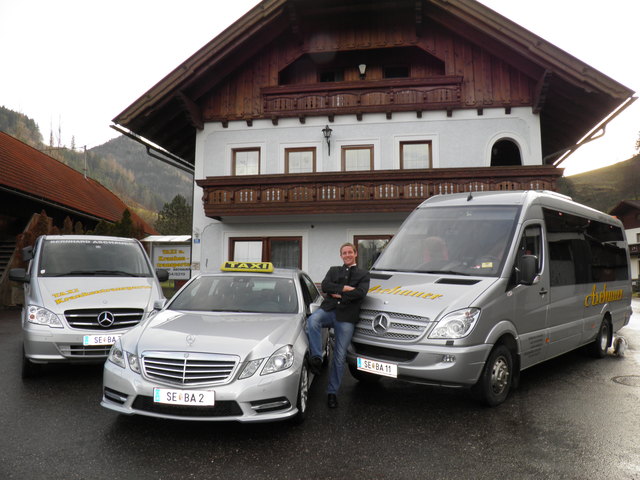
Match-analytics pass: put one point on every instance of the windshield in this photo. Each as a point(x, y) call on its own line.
point(459, 240)
point(228, 293)
point(92, 257)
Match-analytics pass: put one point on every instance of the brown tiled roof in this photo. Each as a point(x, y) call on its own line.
point(28, 171)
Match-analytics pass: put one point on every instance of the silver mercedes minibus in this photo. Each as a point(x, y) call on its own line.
point(477, 287)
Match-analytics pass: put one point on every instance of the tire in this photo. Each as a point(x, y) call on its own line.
point(303, 394)
point(496, 379)
point(363, 377)
point(30, 369)
point(598, 348)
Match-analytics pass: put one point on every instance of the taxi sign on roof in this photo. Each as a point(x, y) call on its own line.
point(255, 267)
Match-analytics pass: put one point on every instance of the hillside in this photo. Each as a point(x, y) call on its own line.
point(605, 187)
point(122, 165)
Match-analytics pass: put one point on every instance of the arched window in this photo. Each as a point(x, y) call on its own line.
point(505, 153)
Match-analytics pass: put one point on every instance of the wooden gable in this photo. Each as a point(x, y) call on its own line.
point(273, 62)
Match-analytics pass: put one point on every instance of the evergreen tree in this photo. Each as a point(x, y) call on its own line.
point(175, 217)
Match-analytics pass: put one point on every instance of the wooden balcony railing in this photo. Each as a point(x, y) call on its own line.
point(360, 192)
point(359, 97)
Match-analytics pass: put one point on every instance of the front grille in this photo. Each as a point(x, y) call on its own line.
point(381, 353)
point(401, 326)
point(87, 318)
point(220, 409)
point(181, 368)
point(85, 351)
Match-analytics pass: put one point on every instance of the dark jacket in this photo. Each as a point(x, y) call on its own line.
point(348, 307)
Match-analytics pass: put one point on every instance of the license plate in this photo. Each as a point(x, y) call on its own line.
point(100, 339)
point(184, 397)
point(379, 368)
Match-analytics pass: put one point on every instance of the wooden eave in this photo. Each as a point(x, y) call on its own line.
point(169, 113)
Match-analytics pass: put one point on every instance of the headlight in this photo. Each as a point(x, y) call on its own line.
point(250, 368)
point(456, 324)
point(280, 360)
point(134, 365)
point(42, 316)
point(116, 355)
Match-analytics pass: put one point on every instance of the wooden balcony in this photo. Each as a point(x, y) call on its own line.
point(360, 192)
point(360, 97)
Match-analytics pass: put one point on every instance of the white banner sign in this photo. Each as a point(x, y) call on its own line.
point(176, 259)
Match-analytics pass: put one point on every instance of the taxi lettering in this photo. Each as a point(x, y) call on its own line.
point(264, 267)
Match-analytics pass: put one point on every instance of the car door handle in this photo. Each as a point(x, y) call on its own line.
point(543, 292)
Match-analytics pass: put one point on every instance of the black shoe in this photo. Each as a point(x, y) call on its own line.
point(315, 365)
point(332, 401)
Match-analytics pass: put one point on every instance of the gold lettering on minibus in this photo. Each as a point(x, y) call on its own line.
point(599, 297)
point(406, 293)
point(95, 292)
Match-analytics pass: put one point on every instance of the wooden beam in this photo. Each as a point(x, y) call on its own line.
point(191, 109)
point(541, 91)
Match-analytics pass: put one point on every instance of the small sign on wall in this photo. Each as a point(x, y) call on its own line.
point(176, 259)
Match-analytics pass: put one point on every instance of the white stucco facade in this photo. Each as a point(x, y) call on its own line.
point(633, 237)
point(464, 139)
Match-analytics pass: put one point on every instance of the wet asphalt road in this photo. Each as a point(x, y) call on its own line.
point(571, 418)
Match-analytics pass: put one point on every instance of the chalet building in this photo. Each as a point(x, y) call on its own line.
point(628, 211)
point(313, 123)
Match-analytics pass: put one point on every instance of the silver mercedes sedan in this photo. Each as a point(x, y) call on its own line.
point(228, 346)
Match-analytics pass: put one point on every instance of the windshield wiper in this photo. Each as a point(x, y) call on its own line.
point(119, 273)
point(444, 272)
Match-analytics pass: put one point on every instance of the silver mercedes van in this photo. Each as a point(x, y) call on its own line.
point(82, 292)
point(477, 287)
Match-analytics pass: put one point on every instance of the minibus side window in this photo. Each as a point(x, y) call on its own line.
point(583, 250)
point(530, 244)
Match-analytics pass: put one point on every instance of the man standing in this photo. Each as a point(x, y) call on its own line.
point(345, 287)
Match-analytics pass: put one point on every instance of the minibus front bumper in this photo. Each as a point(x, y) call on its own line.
point(443, 365)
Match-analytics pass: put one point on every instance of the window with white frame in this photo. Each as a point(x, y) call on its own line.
point(300, 160)
point(283, 252)
point(415, 154)
point(246, 161)
point(357, 157)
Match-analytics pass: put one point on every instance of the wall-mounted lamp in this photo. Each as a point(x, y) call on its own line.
point(362, 68)
point(326, 131)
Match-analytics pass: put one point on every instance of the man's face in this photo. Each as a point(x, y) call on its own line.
point(348, 255)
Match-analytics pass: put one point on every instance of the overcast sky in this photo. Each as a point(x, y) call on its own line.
point(73, 65)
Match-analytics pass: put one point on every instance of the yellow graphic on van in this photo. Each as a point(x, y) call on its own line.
point(598, 298)
point(404, 292)
point(60, 298)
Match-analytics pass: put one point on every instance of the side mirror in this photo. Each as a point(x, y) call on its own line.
point(159, 304)
point(162, 274)
point(27, 253)
point(527, 270)
point(18, 275)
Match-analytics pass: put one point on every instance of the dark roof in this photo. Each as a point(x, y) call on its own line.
point(28, 172)
point(625, 206)
point(574, 97)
